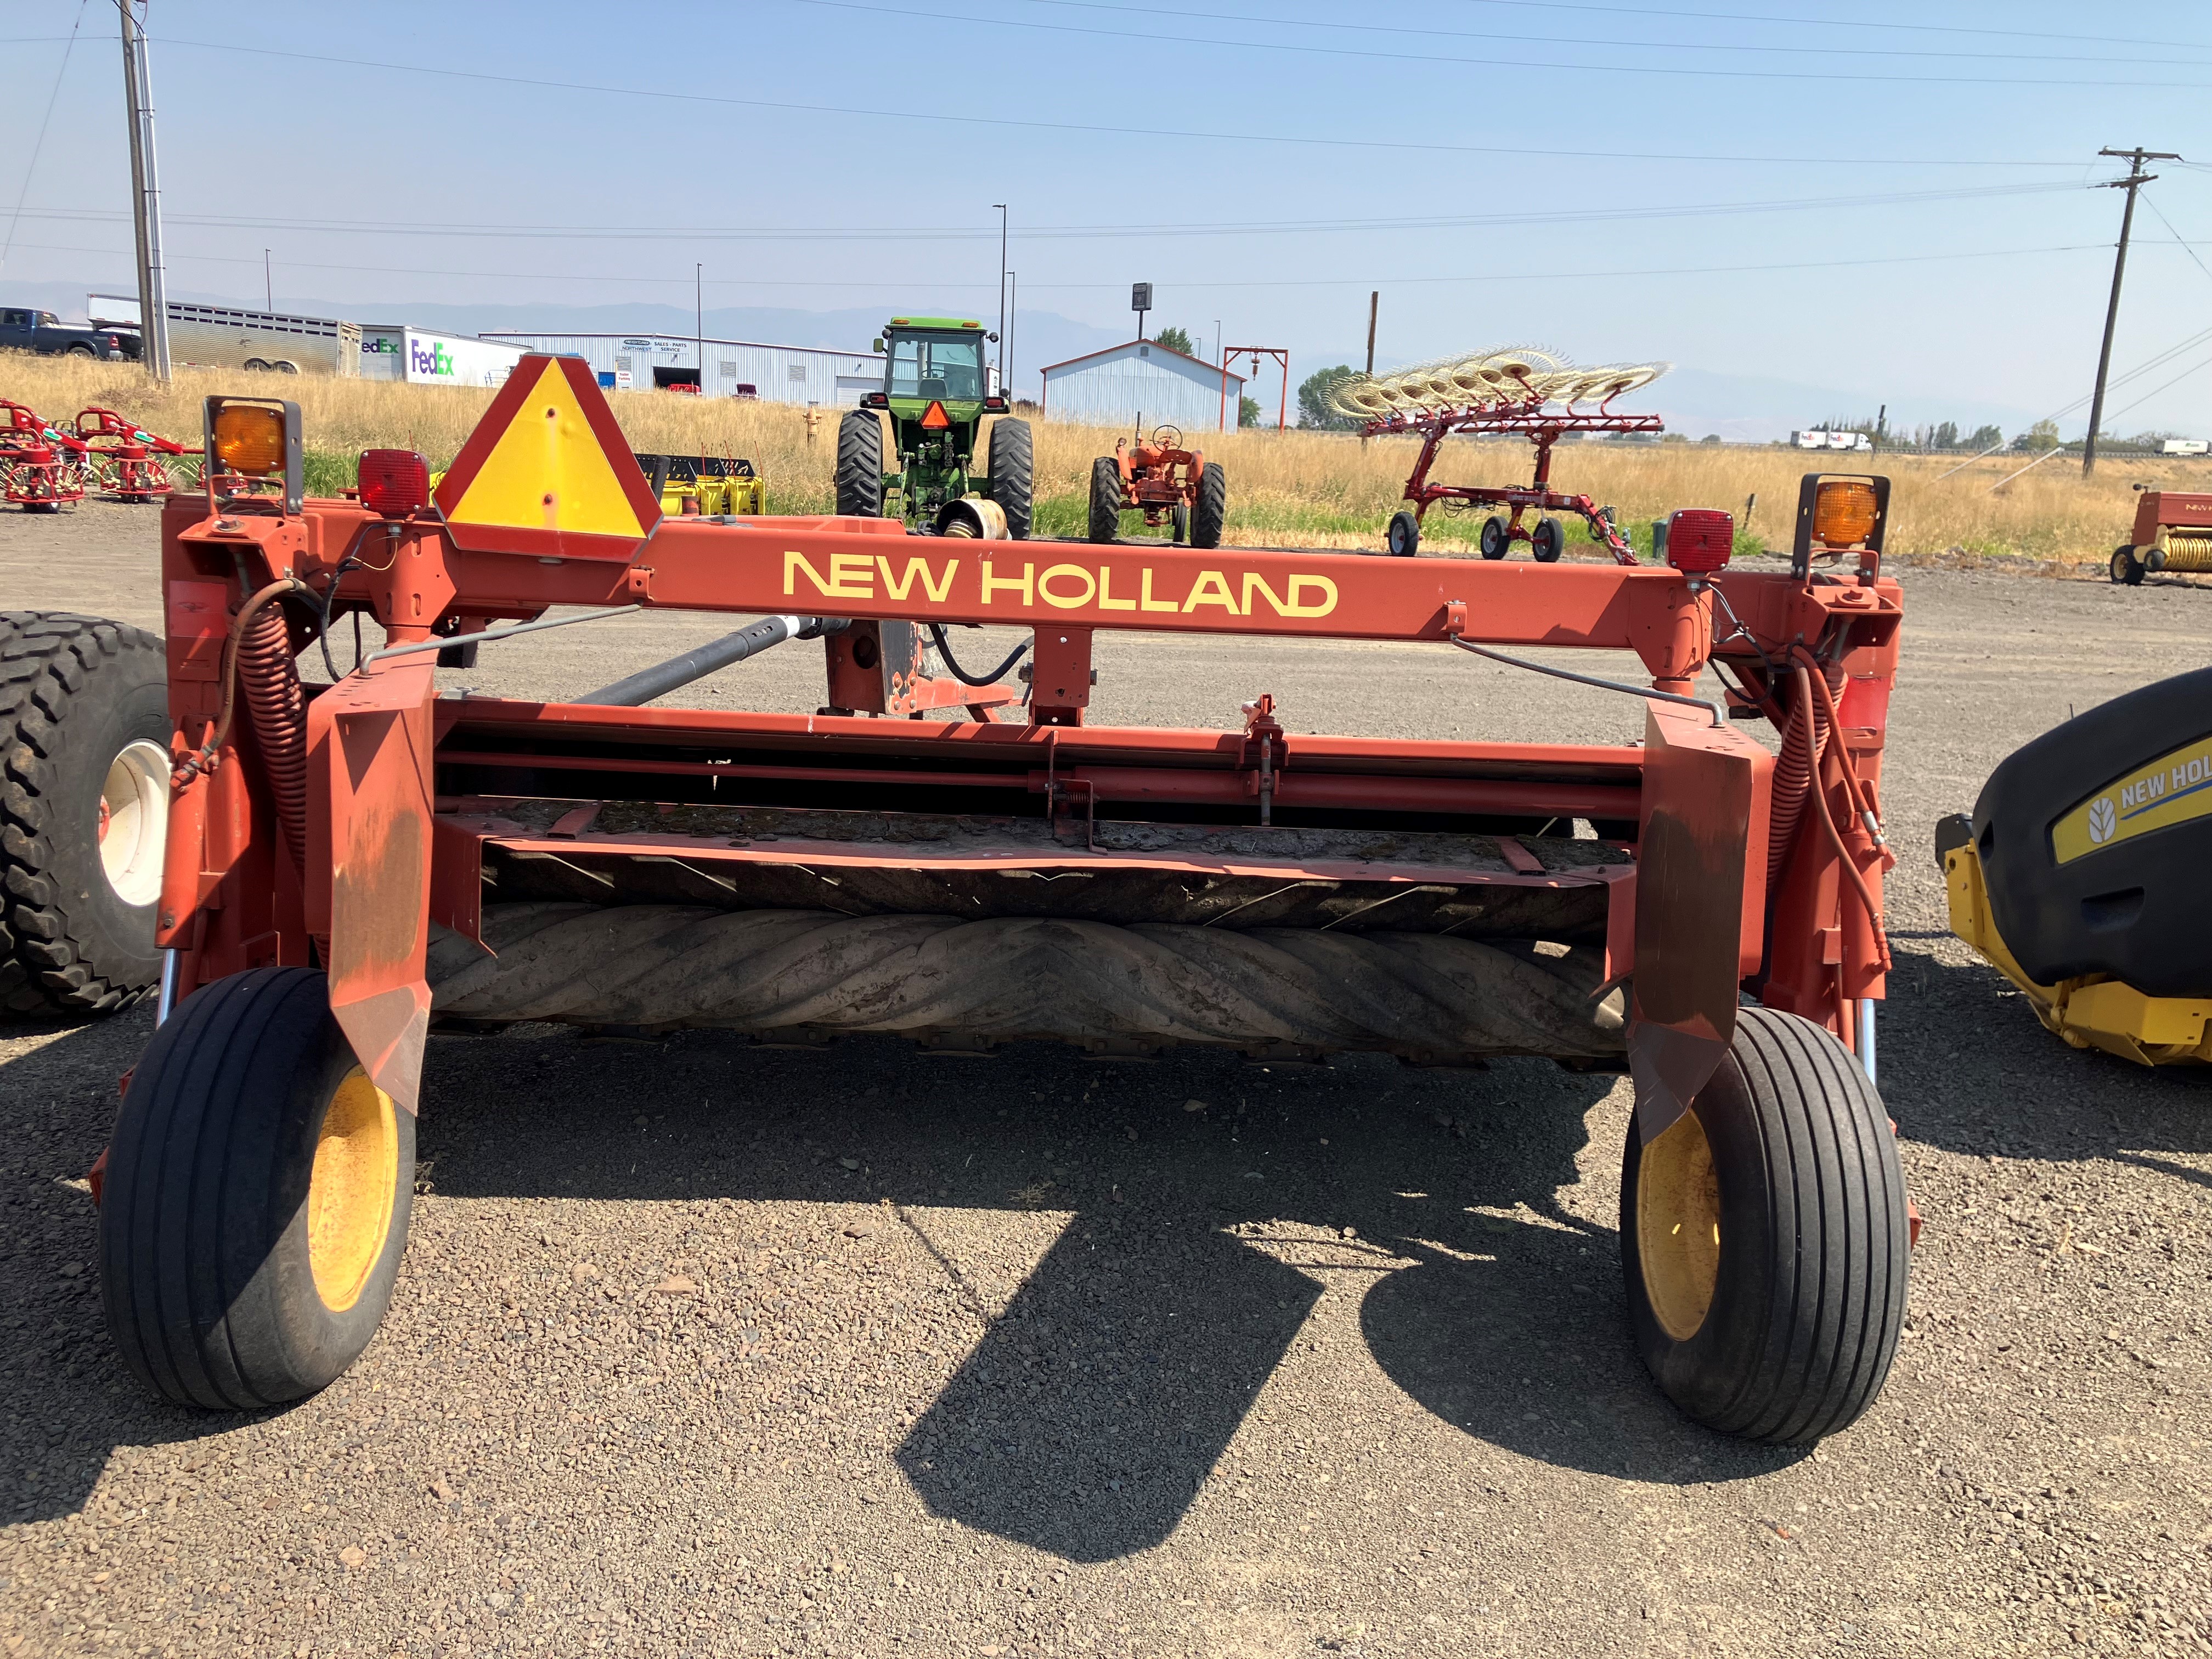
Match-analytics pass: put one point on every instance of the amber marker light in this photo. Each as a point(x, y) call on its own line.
point(249, 438)
point(1844, 513)
point(1840, 514)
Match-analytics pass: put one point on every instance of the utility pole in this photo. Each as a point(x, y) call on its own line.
point(1006, 337)
point(1001, 206)
point(699, 319)
point(2135, 180)
point(1374, 303)
point(145, 199)
point(267, 282)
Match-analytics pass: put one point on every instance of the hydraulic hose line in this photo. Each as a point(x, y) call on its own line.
point(1861, 803)
point(1851, 866)
point(945, 650)
point(277, 710)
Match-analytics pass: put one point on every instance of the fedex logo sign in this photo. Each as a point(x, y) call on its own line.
point(429, 357)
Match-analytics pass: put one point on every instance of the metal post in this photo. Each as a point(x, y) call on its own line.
point(699, 319)
point(145, 200)
point(1006, 337)
point(2135, 180)
point(1373, 301)
point(268, 284)
point(1001, 206)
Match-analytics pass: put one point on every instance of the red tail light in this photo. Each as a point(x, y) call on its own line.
point(394, 482)
point(1700, 539)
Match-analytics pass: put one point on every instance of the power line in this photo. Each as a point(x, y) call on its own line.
point(1002, 123)
point(1054, 233)
point(941, 18)
point(39, 142)
point(1840, 23)
point(1193, 285)
point(1979, 54)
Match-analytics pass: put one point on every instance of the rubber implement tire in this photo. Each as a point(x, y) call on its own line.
point(1210, 514)
point(258, 1189)
point(1403, 538)
point(859, 465)
point(1012, 461)
point(1495, 540)
point(1782, 1328)
point(1547, 541)
point(1105, 500)
point(84, 724)
point(2125, 568)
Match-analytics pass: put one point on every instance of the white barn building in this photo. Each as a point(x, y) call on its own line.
point(734, 368)
point(1144, 384)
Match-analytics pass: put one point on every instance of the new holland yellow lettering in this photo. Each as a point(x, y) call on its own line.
point(1106, 599)
point(1211, 587)
point(832, 587)
point(899, 587)
point(1059, 602)
point(1025, 584)
point(1146, 601)
point(1298, 607)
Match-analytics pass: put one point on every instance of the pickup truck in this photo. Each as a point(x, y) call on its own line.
point(44, 332)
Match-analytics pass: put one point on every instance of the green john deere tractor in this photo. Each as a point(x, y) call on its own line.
point(933, 447)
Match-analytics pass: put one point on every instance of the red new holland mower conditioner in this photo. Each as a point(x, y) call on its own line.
point(348, 865)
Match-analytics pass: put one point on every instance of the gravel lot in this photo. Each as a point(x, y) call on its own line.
point(706, 1350)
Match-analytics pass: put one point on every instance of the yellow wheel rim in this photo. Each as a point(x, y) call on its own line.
point(349, 1195)
point(1678, 1226)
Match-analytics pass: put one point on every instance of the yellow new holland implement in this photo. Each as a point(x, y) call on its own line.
point(2080, 875)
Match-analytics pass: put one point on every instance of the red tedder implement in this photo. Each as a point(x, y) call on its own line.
point(348, 865)
point(41, 467)
point(126, 460)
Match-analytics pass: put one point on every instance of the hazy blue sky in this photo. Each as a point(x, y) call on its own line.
point(1905, 182)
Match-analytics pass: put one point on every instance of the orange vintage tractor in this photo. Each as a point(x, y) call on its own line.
point(1168, 483)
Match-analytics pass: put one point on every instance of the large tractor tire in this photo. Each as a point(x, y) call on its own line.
point(1211, 511)
point(1764, 1238)
point(860, 466)
point(1105, 500)
point(256, 1198)
point(84, 811)
point(1013, 462)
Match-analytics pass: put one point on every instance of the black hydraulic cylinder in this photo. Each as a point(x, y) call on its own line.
point(698, 663)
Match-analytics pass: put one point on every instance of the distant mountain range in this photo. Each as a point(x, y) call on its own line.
point(1692, 401)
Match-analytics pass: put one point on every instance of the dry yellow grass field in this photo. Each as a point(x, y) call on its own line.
point(1297, 488)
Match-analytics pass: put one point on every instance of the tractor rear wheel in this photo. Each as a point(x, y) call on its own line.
point(1496, 539)
point(859, 465)
point(1013, 474)
point(1105, 500)
point(1764, 1240)
point(256, 1198)
point(1547, 541)
point(1404, 537)
point(1210, 512)
point(84, 811)
point(2126, 568)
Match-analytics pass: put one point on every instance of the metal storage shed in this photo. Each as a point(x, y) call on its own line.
point(1142, 381)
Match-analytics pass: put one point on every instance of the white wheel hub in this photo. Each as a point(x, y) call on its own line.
point(134, 821)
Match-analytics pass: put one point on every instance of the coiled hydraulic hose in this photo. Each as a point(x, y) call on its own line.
point(274, 703)
point(257, 656)
point(1819, 798)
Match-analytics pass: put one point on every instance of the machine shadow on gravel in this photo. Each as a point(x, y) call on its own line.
point(1967, 1067)
point(69, 1402)
point(1091, 1411)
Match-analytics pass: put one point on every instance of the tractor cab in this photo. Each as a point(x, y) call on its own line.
point(936, 446)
